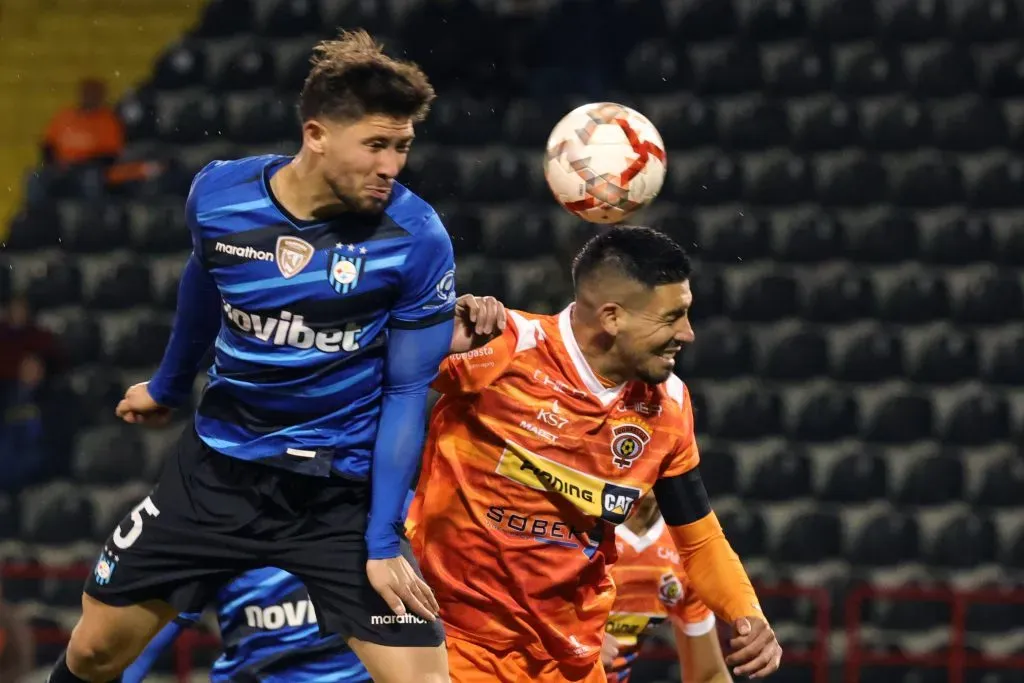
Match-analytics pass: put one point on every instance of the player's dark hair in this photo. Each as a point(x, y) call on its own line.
point(352, 77)
point(641, 254)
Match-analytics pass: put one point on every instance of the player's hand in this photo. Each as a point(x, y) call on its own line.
point(755, 651)
point(138, 407)
point(478, 320)
point(401, 587)
point(609, 649)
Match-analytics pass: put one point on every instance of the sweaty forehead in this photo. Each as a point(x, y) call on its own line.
point(675, 296)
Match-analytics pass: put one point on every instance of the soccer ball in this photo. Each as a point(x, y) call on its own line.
point(604, 161)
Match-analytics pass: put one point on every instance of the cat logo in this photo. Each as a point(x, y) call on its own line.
point(293, 254)
point(670, 590)
point(628, 442)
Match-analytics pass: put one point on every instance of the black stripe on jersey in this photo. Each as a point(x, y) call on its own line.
point(429, 321)
point(216, 404)
point(336, 313)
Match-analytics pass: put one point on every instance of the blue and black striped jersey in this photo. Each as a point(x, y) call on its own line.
point(306, 312)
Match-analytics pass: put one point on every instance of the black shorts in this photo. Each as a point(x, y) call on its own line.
point(212, 517)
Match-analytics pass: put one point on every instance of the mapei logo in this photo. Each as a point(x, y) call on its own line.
point(285, 615)
point(628, 442)
point(290, 330)
point(593, 496)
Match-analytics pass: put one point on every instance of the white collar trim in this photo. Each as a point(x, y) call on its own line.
point(645, 541)
point(606, 395)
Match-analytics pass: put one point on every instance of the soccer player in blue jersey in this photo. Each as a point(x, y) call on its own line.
point(270, 635)
point(327, 292)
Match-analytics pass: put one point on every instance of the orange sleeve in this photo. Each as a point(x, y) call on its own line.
point(473, 371)
point(714, 569)
point(686, 456)
point(694, 616)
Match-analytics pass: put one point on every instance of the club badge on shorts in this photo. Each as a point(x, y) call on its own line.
point(345, 267)
point(105, 566)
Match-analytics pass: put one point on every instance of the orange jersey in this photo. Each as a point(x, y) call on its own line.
point(530, 462)
point(651, 587)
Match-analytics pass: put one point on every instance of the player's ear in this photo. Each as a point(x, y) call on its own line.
point(610, 315)
point(314, 136)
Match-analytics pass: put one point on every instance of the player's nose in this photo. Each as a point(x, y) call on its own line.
point(684, 331)
point(389, 164)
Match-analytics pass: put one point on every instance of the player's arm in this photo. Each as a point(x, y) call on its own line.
point(419, 337)
point(700, 656)
point(196, 322)
point(20, 650)
point(142, 665)
point(714, 569)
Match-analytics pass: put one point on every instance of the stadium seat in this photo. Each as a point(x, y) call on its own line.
point(994, 619)
point(292, 72)
point(263, 120)
point(718, 471)
point(753, 124)
point(766, 298)
point(518, 237)
point(34, 227)
point(700, 20)
point(109, 456)
point(969, 125)
point(769, 20)
point(21, 590)
point(889, 238)
point(946, 356)
point(94, 228)
point(867, 70)
point(826, 415)
point(124, 285)
point(797, 355)
point(288, 18)
point(161, 229)
point(870, 355)
point(438, 177)
point(725, 68)
point(997, 185)
point(141, 346)
point(1002, 483)
point(709, 295)
point(10, 517)
point(843, 296)
point(900, 418)
point(1005, 78)
point(826, 125)
point(96, 389)
point(1014, 552)
point(808, 238)
point(734, 237)
point(483, 279)
point(1007, 364)
point(745, 529)
point(851, 180)
point(977, 420)
point(752, 414)
point(927, 181)
point(964, 542)
point(910, 21)
point(856, 477)
point(917, 297)
point(708, 182)
point(778, 180)
point(719, 350)
point(989, 298)
point(896, 125)
point(64, 516)
point(58, 282)
point(465, 228)
point(940, 70)
point(958, 241)
point(183, 65)
point(137, 111)
point(81, 342)
point(654, 67)
point(223, 18)
point(932, 480)
point(249, 67)
point(986, 20)
point(783, 475)
point(191, 120)
point(887, 539)
point(528, 122)
point(842, 20)
point(810, 537)
point(498, 178)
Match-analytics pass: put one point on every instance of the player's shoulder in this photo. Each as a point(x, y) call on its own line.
point(219, 173)
point(530, 330)
point(414, 215)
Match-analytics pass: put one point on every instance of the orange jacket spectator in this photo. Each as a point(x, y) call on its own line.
point(88, 132)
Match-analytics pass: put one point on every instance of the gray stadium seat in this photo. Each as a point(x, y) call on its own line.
point(856, 477)
point(933, 480)
point(109, 456)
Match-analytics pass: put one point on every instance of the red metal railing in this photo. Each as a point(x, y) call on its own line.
point(956, 660)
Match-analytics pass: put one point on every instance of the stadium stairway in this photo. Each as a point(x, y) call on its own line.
point(48, 46)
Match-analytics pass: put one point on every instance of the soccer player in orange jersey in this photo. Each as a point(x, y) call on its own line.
point(651, 587)
point(542, 442)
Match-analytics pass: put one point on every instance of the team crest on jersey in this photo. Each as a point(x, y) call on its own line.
point(292, 255)
point(105, 566)
point(344, 269)
point(670, 590)
point(629, 438)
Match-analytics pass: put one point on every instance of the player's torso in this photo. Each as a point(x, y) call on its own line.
point(265, 616)
point(545, 462)
point(299, 356)
point(647, 587)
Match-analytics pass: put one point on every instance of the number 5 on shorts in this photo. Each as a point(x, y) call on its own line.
point(126, 540)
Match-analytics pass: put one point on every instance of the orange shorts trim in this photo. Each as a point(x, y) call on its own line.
point(472, 663)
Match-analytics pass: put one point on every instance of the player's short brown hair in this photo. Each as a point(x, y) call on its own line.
point(352, 78)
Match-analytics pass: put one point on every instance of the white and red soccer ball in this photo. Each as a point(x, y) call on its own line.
point(604, 161)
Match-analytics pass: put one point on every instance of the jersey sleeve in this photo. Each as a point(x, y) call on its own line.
point(693, 616)
point(428, 287)
point(685, 456)
point(473, 371)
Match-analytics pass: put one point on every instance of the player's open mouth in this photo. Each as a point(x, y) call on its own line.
point(379, 192)
point(670, 354)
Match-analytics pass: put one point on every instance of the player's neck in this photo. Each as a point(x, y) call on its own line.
point(600, 359)
point(302, 192)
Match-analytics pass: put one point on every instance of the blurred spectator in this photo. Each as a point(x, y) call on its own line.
point(20, 336)
point(30, 434)
point(17, 646)
point(80, 144)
